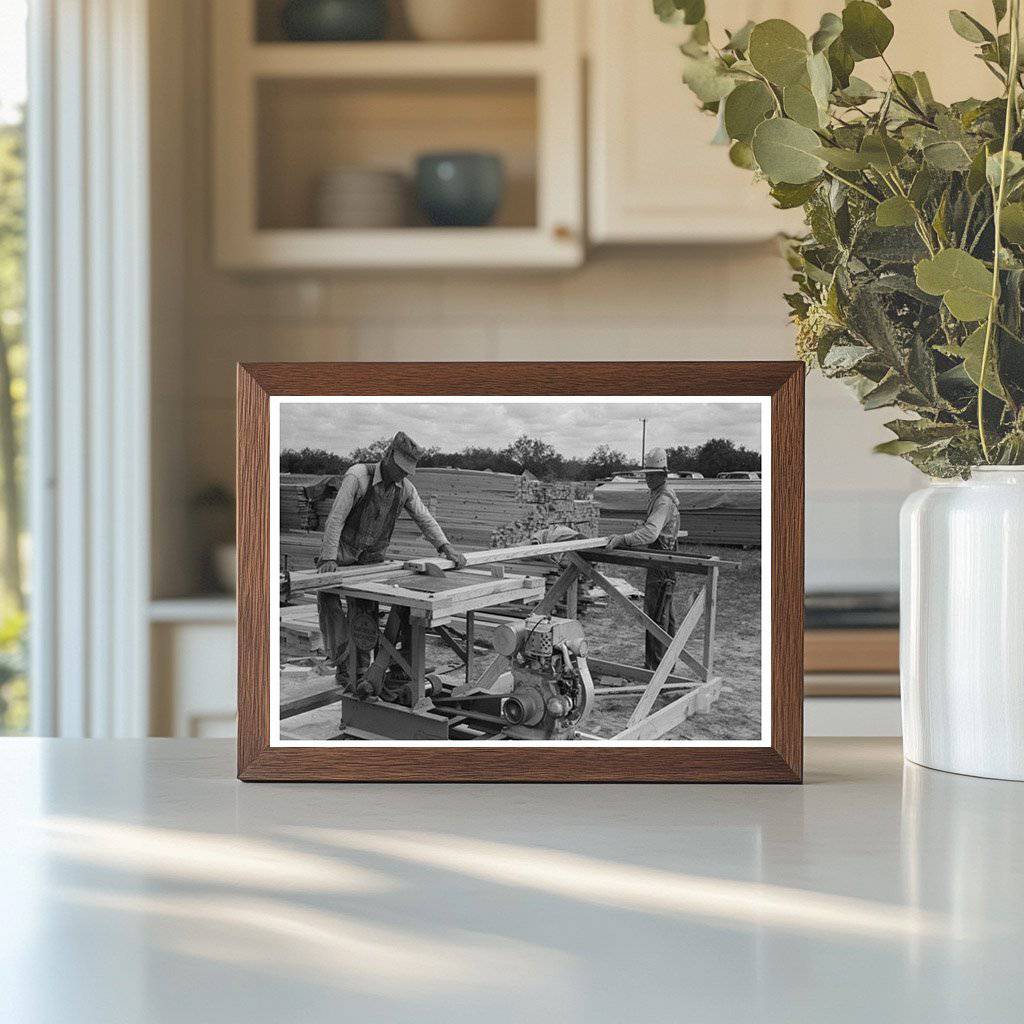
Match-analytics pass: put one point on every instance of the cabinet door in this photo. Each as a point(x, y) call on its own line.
point(654, 177)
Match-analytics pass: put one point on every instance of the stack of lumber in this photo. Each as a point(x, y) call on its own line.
point(714, 527)
point(305, 500)
point(529, 488)
point(476, 508)
point(300, 633)
point(726, 512)
point(481, 509)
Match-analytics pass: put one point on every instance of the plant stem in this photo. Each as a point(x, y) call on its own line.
point(907, 99)
point(1011, 108)
point(853, 185)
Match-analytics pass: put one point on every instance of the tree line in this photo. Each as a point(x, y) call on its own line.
point(719, 455)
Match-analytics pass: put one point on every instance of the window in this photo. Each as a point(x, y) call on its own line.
point(14, 692)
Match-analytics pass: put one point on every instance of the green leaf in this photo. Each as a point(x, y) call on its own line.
point(741, 155)
point(745, 108)
point(999, 9)
point(895, 212)
point(923, 431)
point(788, 196)
point(819, 74)
point(690, 12)
point(976, 173)
point(963, 281)
point(866, 29)
point(971, 351)
point(787, 151)
point(885, 394)
point(895, 447)
point(857, 91)
point(969, 28)
point(779, 51)
point(947, 156)
point(721, 136)
point(922, 185)
point(801, 106)
point(883, 152)
point(707, 78)
point(666, 10)
point(739, 41)
point(701, 34)
point(924, 88)
point(1012, 224)
point(905, 84)
point(939, 220)
point(844, 159)
point(840, 61)
point(829, 30)
point(993, 166)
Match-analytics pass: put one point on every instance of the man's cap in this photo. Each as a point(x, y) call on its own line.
point(655, 461)
point(405, 451)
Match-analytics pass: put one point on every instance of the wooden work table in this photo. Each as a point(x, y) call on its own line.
point(141, 883)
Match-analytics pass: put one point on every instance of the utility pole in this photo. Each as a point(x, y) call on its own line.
point(643, 443)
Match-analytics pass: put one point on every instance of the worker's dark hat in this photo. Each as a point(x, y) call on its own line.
point(405, 451)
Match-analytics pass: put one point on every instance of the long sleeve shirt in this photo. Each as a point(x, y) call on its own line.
point(354, 485)
point(662, 521)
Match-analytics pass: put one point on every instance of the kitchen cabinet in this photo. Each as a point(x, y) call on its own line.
point(288, 114)
point(653, 175)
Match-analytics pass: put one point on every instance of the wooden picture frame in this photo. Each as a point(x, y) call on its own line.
point(780, 759)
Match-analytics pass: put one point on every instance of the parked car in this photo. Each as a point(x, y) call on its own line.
point(739, 475)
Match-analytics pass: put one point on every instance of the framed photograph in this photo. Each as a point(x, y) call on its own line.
point(564, 572)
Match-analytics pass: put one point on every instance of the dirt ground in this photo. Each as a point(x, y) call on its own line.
point(735, 715)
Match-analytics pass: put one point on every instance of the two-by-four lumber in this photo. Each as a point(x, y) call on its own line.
point(392, 592)
point(510, 554)
point(652, 627)
point(668, 660)
point(655, 726)
point(310, 579)
point(662, 559)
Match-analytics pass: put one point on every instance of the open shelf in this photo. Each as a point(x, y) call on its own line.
point(388, 60)
point(286, 114)
point(520, 23)
point(309, 127)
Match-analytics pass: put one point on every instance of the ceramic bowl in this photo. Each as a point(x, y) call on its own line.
point(470, 20)
point(460, 189)
point(332, 21)
point(360, 197)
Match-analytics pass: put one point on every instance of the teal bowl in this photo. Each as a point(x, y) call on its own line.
point(334, 21)
point(462, 190)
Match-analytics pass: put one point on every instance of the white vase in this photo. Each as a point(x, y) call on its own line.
point(962, 624)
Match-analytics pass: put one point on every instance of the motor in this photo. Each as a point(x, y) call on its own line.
point(552, 689)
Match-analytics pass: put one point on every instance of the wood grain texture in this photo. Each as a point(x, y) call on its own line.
point(780, 762)
point(852, 650)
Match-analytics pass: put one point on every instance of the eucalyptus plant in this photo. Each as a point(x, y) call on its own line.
point(910, 277)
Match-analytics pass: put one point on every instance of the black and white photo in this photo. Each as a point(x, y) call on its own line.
point(519, 570)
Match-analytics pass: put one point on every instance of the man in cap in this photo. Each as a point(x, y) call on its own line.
point(658, 532)
point(370, 499)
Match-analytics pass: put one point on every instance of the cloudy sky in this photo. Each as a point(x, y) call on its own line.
point(573, 428)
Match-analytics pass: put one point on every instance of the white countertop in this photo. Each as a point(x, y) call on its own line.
point(140, 882)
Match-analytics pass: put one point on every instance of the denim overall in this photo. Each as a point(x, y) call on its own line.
point(659, 590)
point(368, 531)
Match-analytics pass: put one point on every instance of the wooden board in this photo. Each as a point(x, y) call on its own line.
point(436, 597)
point(852, 650)
point(510, 554)
point(310, 579)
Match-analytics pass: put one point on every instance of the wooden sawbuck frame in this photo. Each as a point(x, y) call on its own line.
point(694, 687)
point(776, 758)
